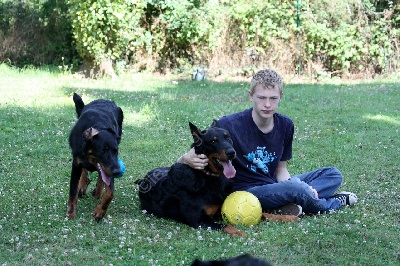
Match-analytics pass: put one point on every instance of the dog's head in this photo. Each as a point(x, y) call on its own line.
point(217, 145)
point(101, 149)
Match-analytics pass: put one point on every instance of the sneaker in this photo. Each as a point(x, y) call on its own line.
point(346, 198)
point(291, 209)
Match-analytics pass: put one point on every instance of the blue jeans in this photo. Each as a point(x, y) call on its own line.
point(297, 190)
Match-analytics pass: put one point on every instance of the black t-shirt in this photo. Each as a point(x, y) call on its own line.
point(257, 153)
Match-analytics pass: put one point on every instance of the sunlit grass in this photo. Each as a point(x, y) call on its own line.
point(352, 126)
point(384, 118)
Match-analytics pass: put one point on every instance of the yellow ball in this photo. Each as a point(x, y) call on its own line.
point(241, 207)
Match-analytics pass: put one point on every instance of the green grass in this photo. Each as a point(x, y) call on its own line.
point(352, 126)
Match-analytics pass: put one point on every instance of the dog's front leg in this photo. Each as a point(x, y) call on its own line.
point(99, 188)
point(84, 182)
point(73, 189)
point(106, 199)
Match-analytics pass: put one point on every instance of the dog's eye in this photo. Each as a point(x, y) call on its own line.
point(214, 141)
point(226, 135)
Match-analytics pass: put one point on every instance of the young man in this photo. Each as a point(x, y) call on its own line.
point(263, 140)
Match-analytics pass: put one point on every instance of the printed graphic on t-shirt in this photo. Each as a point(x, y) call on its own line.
point(260, 159)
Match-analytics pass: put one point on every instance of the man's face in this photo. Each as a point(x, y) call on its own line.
point(265, 100)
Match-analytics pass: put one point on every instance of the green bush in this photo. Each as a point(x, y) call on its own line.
point(27, 32)
point(263, 21)
point(337, 37)
point(343, 38)
point(333, 41)
point(173, 31)
point(102, 29)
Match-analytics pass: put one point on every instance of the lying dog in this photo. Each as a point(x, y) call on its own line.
point(193, 197)
point(94, 143)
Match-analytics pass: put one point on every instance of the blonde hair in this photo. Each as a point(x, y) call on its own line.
point(266, 78)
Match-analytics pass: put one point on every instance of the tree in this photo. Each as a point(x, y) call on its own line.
point(102, 30)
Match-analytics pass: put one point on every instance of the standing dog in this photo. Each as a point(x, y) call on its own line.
point(94, 143)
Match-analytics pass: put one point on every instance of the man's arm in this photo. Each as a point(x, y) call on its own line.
point(196, 161)
point(282, 172)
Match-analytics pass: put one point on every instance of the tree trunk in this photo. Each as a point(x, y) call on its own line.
point(89, 69)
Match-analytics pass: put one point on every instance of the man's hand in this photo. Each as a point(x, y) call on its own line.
point(196, 161)
point(314, 191)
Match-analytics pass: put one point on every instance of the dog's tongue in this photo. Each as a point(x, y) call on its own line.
point(106, 179)
point(229, 170)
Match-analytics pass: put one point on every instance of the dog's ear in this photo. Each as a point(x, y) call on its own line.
point(79, 104)
point(90, 133)
point(192, 127)
point(196, 135)
point(214, 123)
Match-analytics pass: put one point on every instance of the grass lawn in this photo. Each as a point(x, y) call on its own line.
point(354, 127)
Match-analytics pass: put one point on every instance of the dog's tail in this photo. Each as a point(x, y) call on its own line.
point(79, 104)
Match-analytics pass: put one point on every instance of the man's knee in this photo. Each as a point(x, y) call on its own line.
point(334, 173)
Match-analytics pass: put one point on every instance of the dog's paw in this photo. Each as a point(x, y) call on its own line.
point(98, 214)
point(71, 211)
point(233, 231)
point(81, 193)
point(70, 214)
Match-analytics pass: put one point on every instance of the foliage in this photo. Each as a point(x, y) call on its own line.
point(331, 40)
point(336, 37)
point(263, 21)
point(55, 19)
point(102, 29)
point(27, 32)
point(173, 30)
point(341, 36)
point(384, 42)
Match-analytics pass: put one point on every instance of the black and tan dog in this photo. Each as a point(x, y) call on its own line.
point(193, 197)
point(94, 143)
